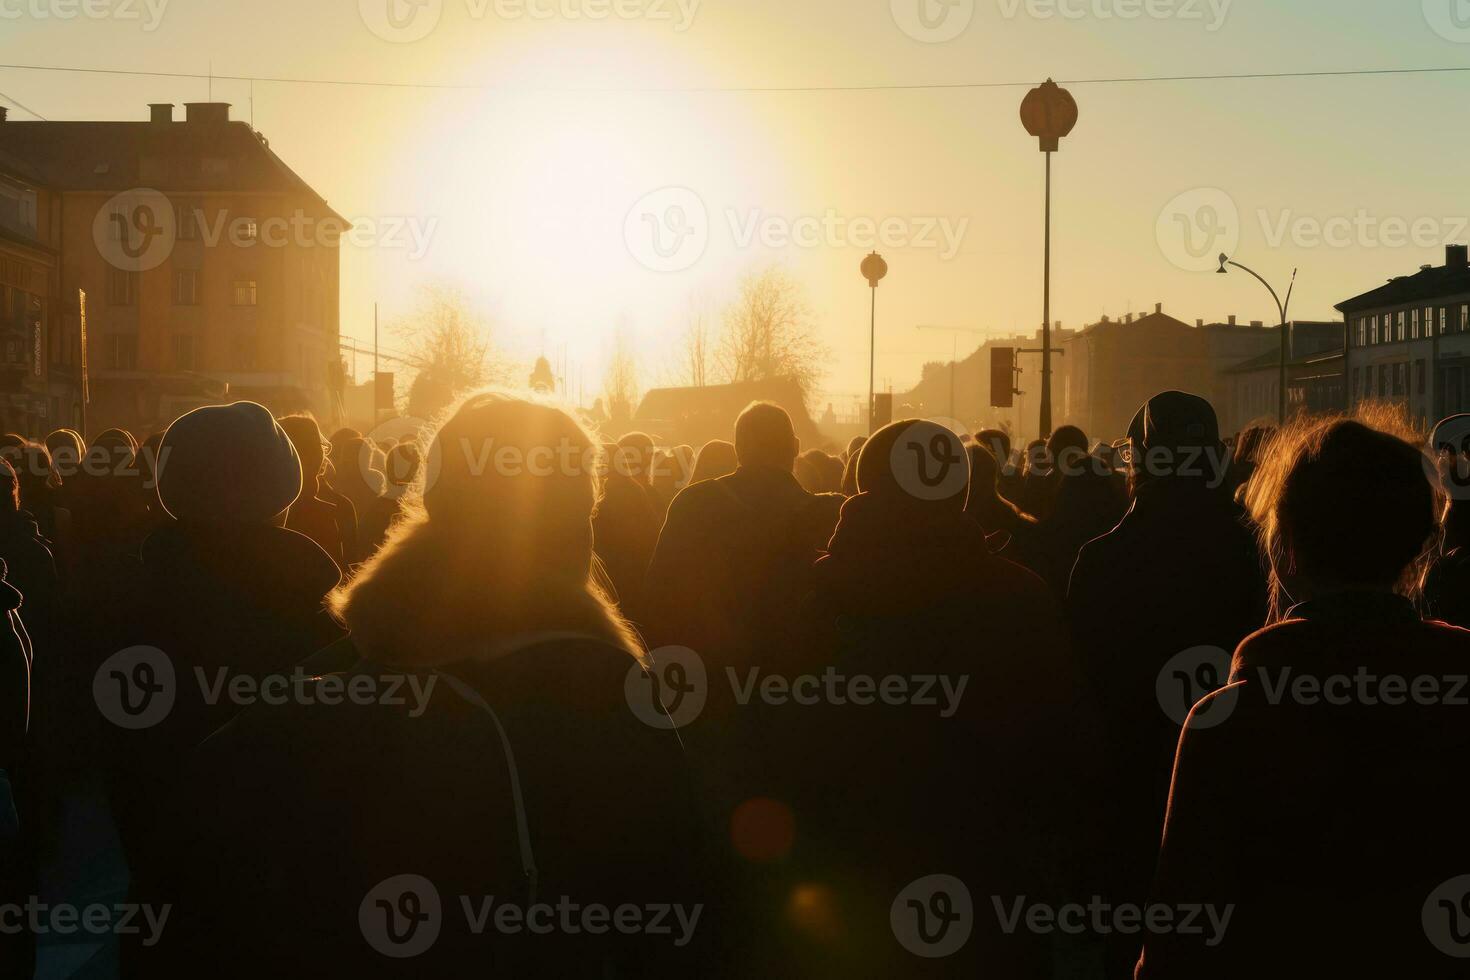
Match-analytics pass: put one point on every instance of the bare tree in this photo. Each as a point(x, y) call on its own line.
point(620, 384)
point(697, 350)
point(768, 333)
point(448, 341)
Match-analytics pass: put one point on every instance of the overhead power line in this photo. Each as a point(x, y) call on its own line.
point(757, 89)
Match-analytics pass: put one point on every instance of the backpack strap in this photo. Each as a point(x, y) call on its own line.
point(523, 828)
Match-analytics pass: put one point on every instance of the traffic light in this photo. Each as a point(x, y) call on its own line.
point(1002, 377)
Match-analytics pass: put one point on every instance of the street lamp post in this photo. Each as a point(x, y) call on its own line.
point(1281, 309)
point(1048, 112)
point(874, 269)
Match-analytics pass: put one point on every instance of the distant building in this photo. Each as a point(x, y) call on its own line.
point(695, 416)
point(1408, 341)
point(210, 269)
point(1115, 366)
point(38, 389)
point(1313, 378)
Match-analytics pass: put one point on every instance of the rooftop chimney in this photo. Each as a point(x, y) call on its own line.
point(1257, 323)
point(161, 112)
point(1128, 318)
point(1232, 319)
point(1158, 308)
point(3, 113)
point(1200, 322)
point(1456, 256)
point(211, 113)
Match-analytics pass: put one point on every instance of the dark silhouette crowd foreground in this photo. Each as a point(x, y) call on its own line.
point(508, 701)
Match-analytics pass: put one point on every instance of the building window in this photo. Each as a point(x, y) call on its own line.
point(122, 352)
point(1443, 320)
point(1428, 322)
point(245, 292)
point(186, 288)
point(1419, 372)
point(1414, 326)
point(1402, 333)
point(1373, 330)
point(1401, 379)
point(122, 287)
point(248, 230)
point(183, 352)
point(1464, 318)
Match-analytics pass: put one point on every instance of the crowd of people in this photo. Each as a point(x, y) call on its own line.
point(1185, 705)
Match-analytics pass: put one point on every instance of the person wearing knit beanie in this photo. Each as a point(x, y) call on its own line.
point(228, 464)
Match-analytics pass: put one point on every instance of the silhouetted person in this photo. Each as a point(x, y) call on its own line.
point(357, 478)
point(311, 515)
point(1086, 502)
point(1447, 583)
point(31, 568)
point(819, 473)
point(1250, 448)
point(716, 459)
point(973, 781)
point(672, 472)
point(17, 836)
point(733, 560)
point(998, 517)
point(1180, 571)
point(1320, 796)
point(626, 524)
point(521, 774)
point(229, 596)
point(1048, 463)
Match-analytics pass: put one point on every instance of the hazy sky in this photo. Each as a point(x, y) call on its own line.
point(565, 212)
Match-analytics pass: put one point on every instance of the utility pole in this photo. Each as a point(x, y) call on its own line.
point(955, 356)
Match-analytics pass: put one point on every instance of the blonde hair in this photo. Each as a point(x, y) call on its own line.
point(1350, 498)
point(494, 541)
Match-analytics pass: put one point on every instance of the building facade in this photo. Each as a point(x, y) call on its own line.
point(1408, 342)
point(200, 267)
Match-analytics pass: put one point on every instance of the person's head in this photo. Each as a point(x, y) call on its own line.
point(814, 473)
point(110, 453)
point(716, 459)
point(632, 457)
point(764, 437)
point(1343, 506)
point(998, 441)
point(916, 464)
point(497, 549)
point(359, 469)
point(311, 447)
point(228, 464)
point(1067, 448)
point(402, 464)
point(1038, 462)
point(1174, 437)
point(67, 448)
point(854, 446)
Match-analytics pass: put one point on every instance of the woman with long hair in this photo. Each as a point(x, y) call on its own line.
point(1316, 799)
point(499, 754)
